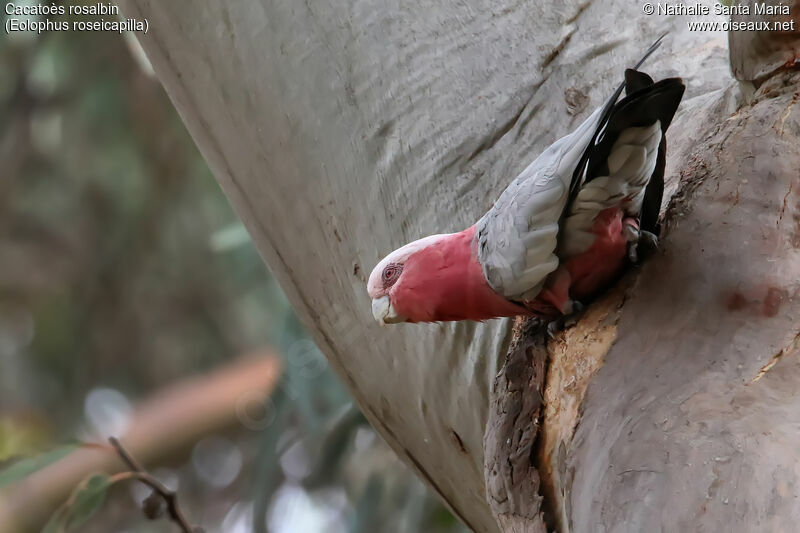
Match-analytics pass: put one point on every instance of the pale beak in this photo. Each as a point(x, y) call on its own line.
point(383, 311)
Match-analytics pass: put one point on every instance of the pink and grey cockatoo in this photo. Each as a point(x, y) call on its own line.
point(559, 234)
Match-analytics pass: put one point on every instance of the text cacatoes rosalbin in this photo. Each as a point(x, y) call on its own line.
point(14, 8)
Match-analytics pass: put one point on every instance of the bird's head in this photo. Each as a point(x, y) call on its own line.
point(437, 278)
point(400, 284)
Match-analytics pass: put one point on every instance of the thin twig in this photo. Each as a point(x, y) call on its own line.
point(139, 474)
point(126, 457)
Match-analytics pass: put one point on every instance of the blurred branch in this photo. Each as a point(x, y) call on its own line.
point(166, 424)
point(160, 491)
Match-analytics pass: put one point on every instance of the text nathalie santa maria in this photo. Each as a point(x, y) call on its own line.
point(698, 9)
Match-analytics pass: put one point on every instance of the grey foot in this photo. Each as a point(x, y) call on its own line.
point(565, 321)
point(645, 246)
point(554, 327)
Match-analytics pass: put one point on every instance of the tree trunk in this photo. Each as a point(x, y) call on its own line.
point(693, 415)
point(342, 130)
point(660, 413)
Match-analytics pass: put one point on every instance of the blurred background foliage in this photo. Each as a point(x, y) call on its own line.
point(123, 270)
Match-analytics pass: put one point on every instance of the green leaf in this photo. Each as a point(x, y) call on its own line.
point(25, 467)
point(87, 498)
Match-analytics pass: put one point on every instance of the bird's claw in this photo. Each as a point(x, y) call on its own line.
point(572, 318)
point(648, 241)
point(633, 252)
point(565, 321)
point(553, 327)
point(644, 246)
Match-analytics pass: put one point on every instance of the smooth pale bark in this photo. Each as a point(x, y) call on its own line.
point(758, 54)
point(342, 130)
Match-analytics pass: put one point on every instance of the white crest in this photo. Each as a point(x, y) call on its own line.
point(375, 283)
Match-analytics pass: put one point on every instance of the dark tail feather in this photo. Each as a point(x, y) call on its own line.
point(577, 175)
point(651, 204)
point(636, 81)
point(650, 50)
point(645, 103)
point(658, 101)
point(653, 193)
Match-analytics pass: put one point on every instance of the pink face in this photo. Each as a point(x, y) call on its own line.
point(434, 279)
point(387, 284)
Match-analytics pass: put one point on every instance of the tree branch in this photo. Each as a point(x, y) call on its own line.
point(163, 426)
point(169, 497)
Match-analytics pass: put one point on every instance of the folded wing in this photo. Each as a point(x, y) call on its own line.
point(618, 152)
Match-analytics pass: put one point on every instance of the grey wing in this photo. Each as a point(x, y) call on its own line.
point(630, 163)
point(518, 236)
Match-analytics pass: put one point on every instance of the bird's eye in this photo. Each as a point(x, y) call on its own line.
point(391, 273)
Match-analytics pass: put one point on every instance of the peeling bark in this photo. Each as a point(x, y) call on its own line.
point(576, 355)
point(512, 482)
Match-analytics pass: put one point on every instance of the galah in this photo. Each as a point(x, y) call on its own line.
point(561, 232)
